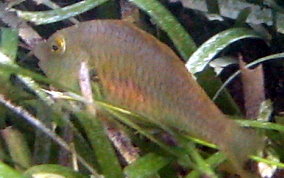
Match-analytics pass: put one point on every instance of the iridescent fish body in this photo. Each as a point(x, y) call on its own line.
point(141, 74)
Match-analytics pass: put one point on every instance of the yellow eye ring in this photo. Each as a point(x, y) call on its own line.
point(58, 45)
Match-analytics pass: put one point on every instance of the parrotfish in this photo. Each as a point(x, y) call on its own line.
point(143, 75)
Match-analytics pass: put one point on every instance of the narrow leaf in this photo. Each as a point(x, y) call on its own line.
point(167, 22)
point(9, 42)
point(8, 172)
point(18, 147)
point(213, 161)
point(270, 162)
point(103, 149)
point(146, 166)
point(53, 170)
point(60, 13)
point(36, 123)
point(202, 165)
point(208, 50)
point(261, 125)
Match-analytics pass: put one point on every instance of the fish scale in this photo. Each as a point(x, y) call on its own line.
point(141, 74)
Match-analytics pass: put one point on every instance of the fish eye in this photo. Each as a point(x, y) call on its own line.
point(58, 45)
point(54, 47)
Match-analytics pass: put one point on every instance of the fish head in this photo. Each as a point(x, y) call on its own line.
point(60, 57)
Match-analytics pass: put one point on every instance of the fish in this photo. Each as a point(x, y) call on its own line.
point(139, 73)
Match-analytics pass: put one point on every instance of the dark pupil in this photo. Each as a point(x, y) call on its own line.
point(54, 47)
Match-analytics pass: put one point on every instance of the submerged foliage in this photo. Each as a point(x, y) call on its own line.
point(40, 126)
